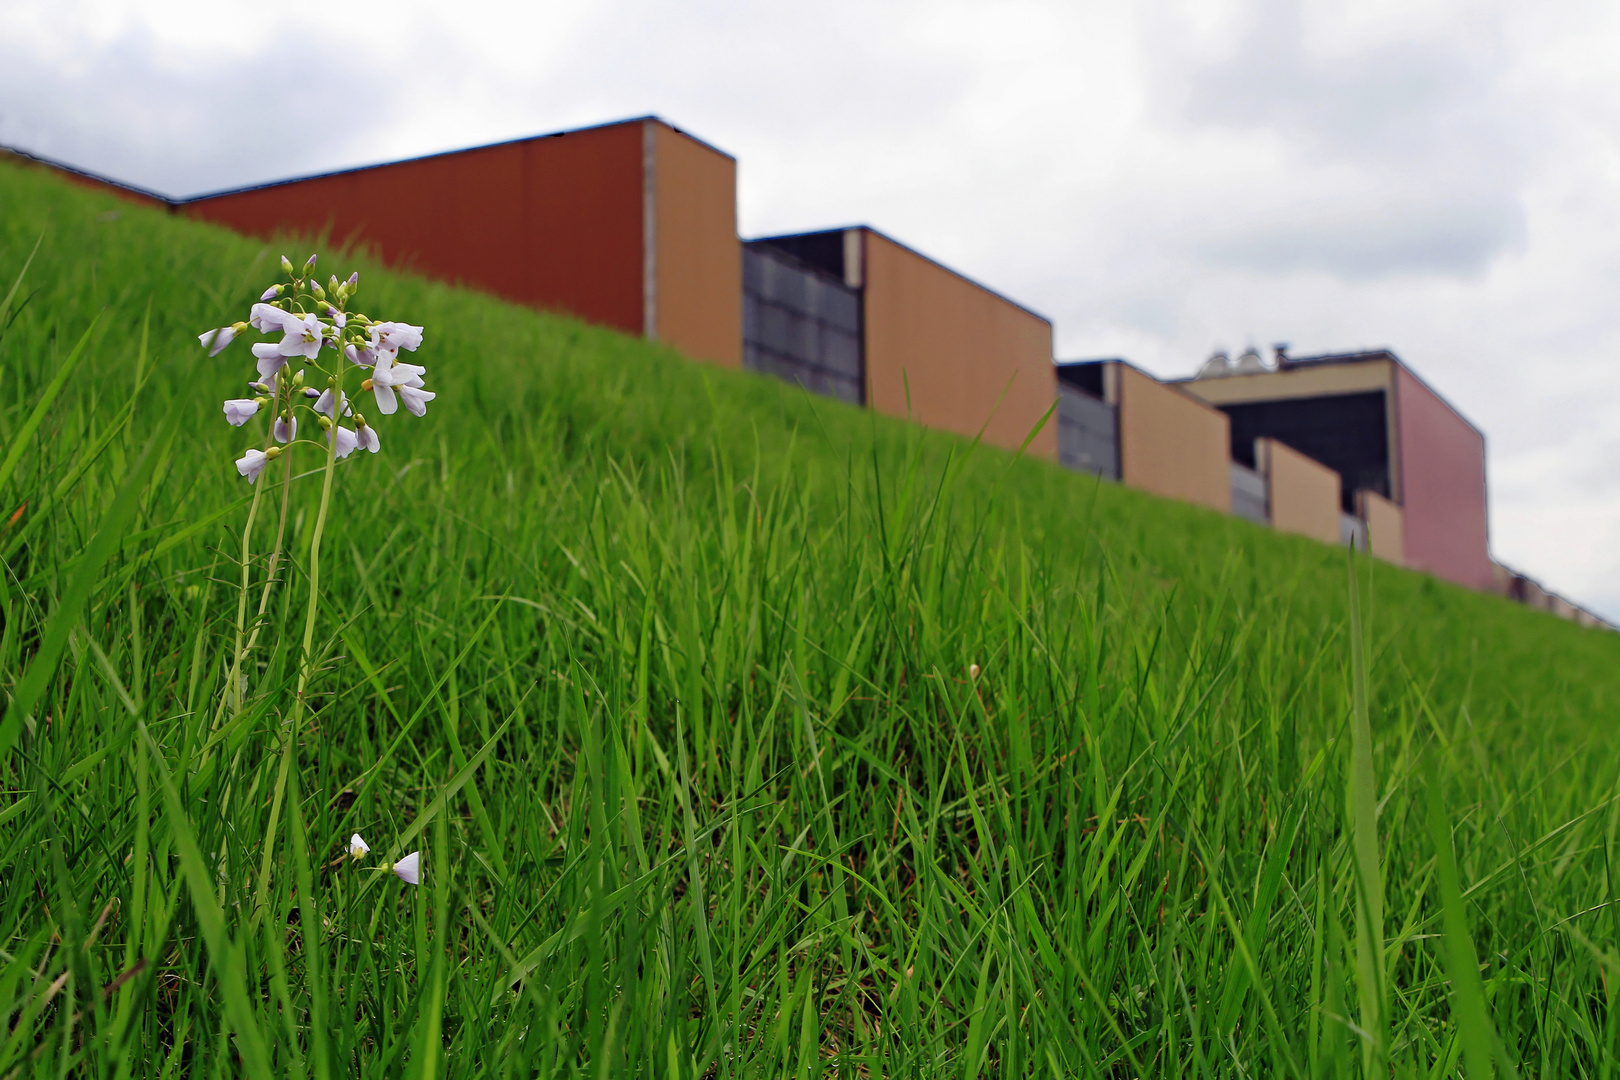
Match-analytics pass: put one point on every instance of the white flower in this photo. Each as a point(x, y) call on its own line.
point(366, 436)
point(270, 294)
point(268, 319)
point(387, 375)
point(302, 336)
point(251, 464)
point(216, 340)
point(365, 357)
point(346, 441)
point(396, 335)
point(324, 403)
point(358, 847)
point(270, 359)
point(286, 432)
point(409, 869)
point(239, 410)
point(415, 398)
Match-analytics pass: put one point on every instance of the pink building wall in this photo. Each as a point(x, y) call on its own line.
point(1442, 486)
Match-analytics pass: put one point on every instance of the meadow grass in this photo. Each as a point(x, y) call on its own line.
point(667, 670)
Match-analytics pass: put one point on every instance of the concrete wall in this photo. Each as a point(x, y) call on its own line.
point(1442, 466)
point(1386, 527)
point(972, 359)
point(554, 222)
point(698, 274)
point(1304, 493)
point(1170, 444)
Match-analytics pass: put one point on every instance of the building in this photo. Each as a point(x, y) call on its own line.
point(1409, 464)
point(862, 317)
point(631, 225)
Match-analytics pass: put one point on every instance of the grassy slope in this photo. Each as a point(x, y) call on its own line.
point(751, 815)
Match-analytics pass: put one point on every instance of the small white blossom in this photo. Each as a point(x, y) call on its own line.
point(346, 441)
point(270, 294)
point(324, 403)
point(270, 359)
point(365, 357)
point(216, 340)
point(366, 436)
point(268, 319)
point(396, 335)
point(358, 847)
point(251, 464)
point(302, 336)
point(415, 398)
point(239, 410)
point(409, 869)
point(388, 375)
point(286, 431)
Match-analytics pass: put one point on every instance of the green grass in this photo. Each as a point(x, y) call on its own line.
point(665, 670)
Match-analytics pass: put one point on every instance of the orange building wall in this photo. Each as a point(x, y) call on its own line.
point(698, 272)
point(1386, 529)
point(1304, 493)
point(1171, 444)
point(957, 347)
point(554, 222)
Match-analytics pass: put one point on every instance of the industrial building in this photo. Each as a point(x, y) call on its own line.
point(633, 225)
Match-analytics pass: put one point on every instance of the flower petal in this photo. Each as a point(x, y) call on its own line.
point(409, 869)
point(239, 410)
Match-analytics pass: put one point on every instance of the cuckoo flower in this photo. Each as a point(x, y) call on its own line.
point(239, 410)
point(409, 869)
point(346, 441)
point(365, 435)
point(286, 430)
point(396, 335)
point(389, 375)
point(216, 340)
point(303, 336)
point(358, 847)
point(252, 463)
point(270, 359)
point(323, 404)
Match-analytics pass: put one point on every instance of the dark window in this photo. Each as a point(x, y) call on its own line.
point(1348, 433)
point(822, 251)
point(801, 325)
point(1085, 376)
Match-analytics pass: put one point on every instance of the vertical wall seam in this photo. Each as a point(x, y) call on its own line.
point(649, 229)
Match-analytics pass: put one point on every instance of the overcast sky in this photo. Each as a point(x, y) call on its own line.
point(1157, 178)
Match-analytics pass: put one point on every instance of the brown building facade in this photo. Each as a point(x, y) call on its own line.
point(933, 346)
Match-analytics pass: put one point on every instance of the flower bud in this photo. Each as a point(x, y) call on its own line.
point(359, 421)
point(237, 328)
point(310, 391)
point(262, 401)
point(286, 264)
point(366, 385)
point(310, 265)
point(316, 290)
point(354, 280)
point(298, 379)
point(326, 424)
point(271, 293)
point(273, 453)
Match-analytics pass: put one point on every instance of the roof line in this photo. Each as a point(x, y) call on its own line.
point(146, 193)
point(450, 153)
point(1003, 297)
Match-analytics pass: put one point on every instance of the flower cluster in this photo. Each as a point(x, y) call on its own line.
point(408, 869)
point(309, 319)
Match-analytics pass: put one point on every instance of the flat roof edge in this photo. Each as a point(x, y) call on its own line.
point(266, 185)
point(62, 166)
point(977, 284)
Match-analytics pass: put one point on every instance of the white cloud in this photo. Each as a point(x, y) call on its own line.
point(1441, 178)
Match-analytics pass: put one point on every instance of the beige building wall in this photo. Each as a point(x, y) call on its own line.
point(968, 359)
point(1169, 443)
point(1386, 534)
point(1304, 493)
point(695, 274)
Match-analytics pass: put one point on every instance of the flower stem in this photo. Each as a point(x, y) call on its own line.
point(315, 548)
